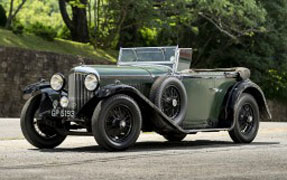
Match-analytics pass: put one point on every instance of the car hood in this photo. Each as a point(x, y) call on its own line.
point(115, 70)
point(110, 73)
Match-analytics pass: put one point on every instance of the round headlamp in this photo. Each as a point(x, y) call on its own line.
point(57, 82)
point(64, 102)
point(91, 82)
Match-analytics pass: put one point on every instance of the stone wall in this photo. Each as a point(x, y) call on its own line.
point(19, 67)
point(278, 111)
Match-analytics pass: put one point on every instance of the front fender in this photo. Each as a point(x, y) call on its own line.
point(42, 87)
point(142, 100)
point(247, 86)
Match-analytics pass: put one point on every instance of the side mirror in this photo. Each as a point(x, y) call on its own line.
point(184, 59)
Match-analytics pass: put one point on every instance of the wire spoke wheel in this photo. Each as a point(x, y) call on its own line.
point(118, 123)
point(41, 129)
point(34, 125)
point(245, 119)
point(169, 95)
point(170, 101)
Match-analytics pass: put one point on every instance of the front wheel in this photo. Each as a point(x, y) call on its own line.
point(34, 130)
point(116, 123)
point(246, 117)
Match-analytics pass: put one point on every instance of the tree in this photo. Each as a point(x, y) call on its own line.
point(266, 53)
point(260, 45)
point(12, 13)
point(3, 18)
point(139, 15)
point(118, 22)
point(77, 25)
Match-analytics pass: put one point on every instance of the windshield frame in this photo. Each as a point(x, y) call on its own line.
point(170, 62)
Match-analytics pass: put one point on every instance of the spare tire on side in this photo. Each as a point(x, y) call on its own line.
point(169, 94)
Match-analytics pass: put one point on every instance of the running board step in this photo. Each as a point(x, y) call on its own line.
point(190, 131)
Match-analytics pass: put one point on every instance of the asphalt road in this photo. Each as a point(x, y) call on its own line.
point(200, 156)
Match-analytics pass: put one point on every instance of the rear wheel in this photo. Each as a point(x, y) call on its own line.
point(116, 122)
point(34, 130)
point(246, 117)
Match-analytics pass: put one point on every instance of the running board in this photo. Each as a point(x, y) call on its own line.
point(75, 133)
point(190, 131)
point(186, 131)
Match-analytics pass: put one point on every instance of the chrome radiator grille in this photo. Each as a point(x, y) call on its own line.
point(78, 94)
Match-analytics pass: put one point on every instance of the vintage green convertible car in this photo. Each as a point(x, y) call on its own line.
point(150, 89)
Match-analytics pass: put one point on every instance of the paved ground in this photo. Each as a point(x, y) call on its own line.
point(201, 156)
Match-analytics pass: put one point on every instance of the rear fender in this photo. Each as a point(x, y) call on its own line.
point(247, 86)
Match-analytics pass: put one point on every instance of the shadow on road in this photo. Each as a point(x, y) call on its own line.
point(160, 146)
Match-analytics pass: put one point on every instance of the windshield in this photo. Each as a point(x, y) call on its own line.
point(160, 54)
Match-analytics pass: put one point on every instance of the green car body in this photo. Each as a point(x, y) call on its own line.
point(204, 104)
point(210, 95)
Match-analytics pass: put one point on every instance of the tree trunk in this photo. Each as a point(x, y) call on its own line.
point(78, 25)
point(80, 33)
point(8, 22)
point(12, 15)
point(89, 14)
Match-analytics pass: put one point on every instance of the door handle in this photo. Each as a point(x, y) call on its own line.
point(216, 90)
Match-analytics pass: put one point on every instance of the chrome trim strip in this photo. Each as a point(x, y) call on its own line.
point(161, 47)
point(145, 62)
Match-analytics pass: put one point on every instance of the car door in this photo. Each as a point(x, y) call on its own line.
point(200, 93)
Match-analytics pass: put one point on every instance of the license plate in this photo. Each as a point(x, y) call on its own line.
point(63, 113)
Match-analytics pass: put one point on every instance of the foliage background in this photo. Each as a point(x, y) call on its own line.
point(222, 33)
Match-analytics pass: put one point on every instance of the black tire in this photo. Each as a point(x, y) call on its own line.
point(174, 137)
point(246, 117)
point(116, 122)
point(156, 95)
point(38, 135)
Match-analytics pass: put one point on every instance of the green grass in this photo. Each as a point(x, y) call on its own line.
point(29, 41)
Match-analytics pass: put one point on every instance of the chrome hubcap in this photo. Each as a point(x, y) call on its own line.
point(250, 119)
point(246, 119)
point(123, 124)
point(174, 102)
